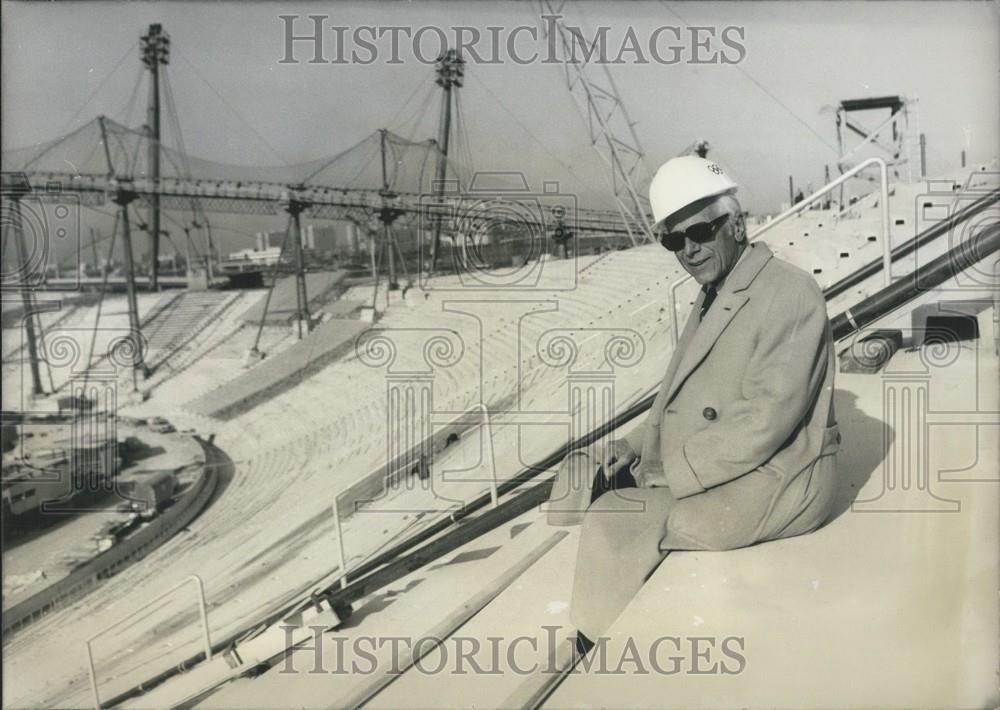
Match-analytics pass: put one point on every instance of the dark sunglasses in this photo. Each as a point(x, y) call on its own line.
point(699, 233)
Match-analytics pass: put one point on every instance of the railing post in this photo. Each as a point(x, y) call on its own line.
point(93, 675)
point(203, 612)
point(883, 172)
point(340, 541)
point(487, 425)
point(203, 609)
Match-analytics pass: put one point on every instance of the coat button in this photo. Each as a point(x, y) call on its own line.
point(709, 414)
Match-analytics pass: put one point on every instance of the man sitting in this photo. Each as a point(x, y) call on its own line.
point(739, 444)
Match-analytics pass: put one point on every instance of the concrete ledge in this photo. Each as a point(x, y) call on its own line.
point(327, 343)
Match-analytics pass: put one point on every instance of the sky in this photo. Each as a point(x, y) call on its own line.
point(767, 116)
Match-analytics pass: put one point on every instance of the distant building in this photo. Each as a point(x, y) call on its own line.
point(355, 243)
point(324, 238)
point(343, 239)
point(340, 238)
point(267, 240)
point(56, 462)
point(265, 257)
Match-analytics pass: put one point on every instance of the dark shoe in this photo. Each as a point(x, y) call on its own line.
point(583, 644)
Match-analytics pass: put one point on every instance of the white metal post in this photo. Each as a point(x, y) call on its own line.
point(340, 541)
point(487, 425)
point(883, 173)
point(203, 611)
point(93, 676)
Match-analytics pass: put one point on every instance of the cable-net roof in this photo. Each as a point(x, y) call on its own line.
point(103, 147)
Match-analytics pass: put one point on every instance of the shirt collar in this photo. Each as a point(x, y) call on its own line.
point(721, 282)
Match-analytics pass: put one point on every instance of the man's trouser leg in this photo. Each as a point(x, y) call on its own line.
point(619, 548)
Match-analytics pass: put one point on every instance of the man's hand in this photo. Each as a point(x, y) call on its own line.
point(619, 455)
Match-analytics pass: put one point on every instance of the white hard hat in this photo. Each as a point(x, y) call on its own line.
point(681, 181)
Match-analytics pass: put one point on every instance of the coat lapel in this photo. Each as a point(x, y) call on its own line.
point(699, 337)
point(719, 316)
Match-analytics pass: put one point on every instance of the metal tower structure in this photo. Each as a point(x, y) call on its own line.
point(294, 203)
point(295, 206)
point(120, 183)
point(387, 214)
point(123, 197)
point(612, 131)
point(12, 190)
point(450, 73)
point(155, 45)
point(894, 136)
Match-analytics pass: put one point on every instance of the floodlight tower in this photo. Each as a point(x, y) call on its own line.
point(155, 46)
point(450, 71)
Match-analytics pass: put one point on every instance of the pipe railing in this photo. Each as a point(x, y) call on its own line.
point(794, 210)
point(200, 589)
point(965, 255)
point(910, 246)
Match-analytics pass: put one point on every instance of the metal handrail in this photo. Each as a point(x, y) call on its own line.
point(799, 207)
point(200, 587)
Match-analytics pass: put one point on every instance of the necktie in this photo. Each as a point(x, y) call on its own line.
point(710, 294)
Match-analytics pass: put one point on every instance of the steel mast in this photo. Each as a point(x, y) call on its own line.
point(450, 71)
point(155, 51)
point(612, 131)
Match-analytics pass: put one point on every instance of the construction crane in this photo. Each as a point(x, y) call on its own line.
point(612, 131)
